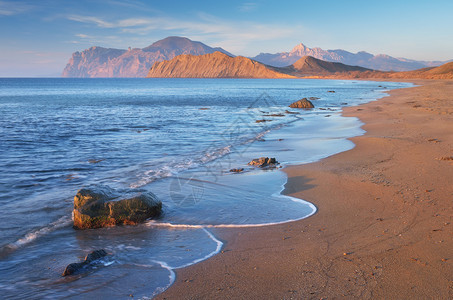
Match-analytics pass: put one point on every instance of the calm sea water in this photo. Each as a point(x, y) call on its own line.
point(175, 137)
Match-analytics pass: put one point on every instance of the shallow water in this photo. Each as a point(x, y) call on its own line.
point(175, 137)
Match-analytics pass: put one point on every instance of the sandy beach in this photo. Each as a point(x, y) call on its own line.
point(384, 223)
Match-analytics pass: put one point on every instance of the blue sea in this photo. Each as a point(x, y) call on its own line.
point(177, 138)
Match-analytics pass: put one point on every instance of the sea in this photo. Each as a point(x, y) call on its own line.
point(178, 138)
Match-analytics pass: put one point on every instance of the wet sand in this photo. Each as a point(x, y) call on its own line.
point(384, 223)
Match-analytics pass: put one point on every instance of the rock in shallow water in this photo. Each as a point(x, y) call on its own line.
point(76, 267)
point(264, 162)
point(100, 206)
point(302, 103)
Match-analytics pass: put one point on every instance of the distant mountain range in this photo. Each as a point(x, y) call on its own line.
point(220, 65)
point(379, 62)
point(109, 62)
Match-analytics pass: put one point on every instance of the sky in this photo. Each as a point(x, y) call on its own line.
point(37, 37)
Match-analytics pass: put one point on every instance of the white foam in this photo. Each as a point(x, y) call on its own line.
point(216, 251)
point(32, 236)
point(172, 278)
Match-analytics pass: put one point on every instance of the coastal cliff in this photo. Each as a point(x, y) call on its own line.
point(108, 62)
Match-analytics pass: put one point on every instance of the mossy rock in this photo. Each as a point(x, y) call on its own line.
point(100, 206)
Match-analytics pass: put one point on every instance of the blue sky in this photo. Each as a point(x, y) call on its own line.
point(37, 38)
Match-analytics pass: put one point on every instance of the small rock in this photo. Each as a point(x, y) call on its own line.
point(237, 170)
point(76, 267)
point(292, 112)
point(95, 161)
point(262, 120)
point(264, 162)
point(331, 91)
point(302, 103)
point(274, 115)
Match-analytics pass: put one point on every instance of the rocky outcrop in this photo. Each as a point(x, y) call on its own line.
point(263, 162)
point(302, 103)
point(75, 268)
point(380, 62)
point(214, 65)
point(107, 62)
point(100, 206)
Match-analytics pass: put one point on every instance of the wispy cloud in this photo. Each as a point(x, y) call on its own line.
point(226, 33)
point(13, 8)
point(84, 36)
point(248, 6)
point(91, 20)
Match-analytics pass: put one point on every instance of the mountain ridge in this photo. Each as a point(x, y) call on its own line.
point(213, 65)
point(220, 65)
point(381, 62)
point(136, 62)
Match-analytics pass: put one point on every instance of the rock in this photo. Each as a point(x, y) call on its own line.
point(302, 103)
point(237, 170)
point(313, 98)
point(264, 162)
point(76, 267)
point(292, 112)
point(262, 121)
point(274, 115)
point(331, 91)
point(100, 206)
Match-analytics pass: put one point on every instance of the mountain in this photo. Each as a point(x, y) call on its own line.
point(213, 65)
point(220, 65)
point(108, 62)
point(310, 66)
point(376, 62)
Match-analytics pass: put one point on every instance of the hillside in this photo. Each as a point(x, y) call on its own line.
point(310, 66)
point(380, 62)
point(214, 65)
point(444, 71)
point(108, 62)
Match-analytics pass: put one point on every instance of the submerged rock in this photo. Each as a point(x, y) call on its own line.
point(76, 267)
point(302, 103)
point(100, 206)
point(264, 162)
point(292, 112)
point(262, 120)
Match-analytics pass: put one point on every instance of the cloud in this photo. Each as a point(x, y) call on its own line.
point(248, 6)
point(13, 8)
point(91, 20)
point(237, 35)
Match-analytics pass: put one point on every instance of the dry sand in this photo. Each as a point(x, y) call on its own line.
point(384, 226)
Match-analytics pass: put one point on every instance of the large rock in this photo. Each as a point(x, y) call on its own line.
point(100, 206)
point(264, 162)
point(302, 103)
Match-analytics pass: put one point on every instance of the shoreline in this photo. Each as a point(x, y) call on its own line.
point(383, 226)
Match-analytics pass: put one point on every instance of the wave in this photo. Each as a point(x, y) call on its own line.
point(32, 236)
point(212, 153)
